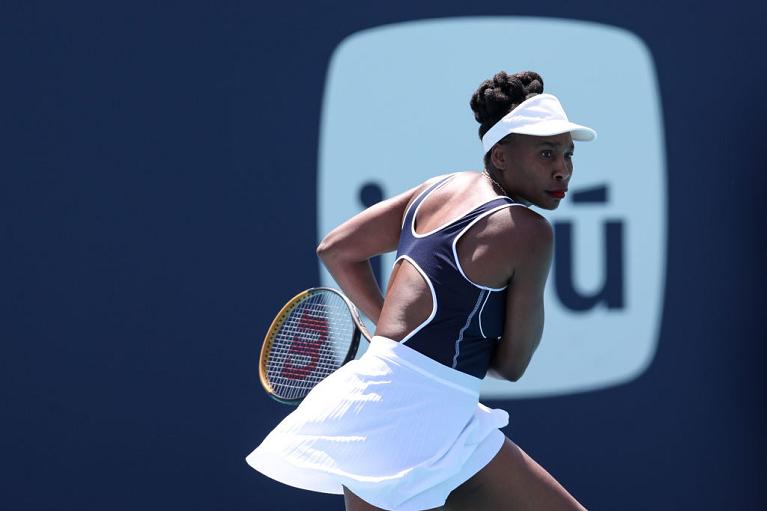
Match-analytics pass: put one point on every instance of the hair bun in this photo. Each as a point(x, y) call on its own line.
point(501, 94)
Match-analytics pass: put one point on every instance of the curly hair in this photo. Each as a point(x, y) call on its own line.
point(499, 95)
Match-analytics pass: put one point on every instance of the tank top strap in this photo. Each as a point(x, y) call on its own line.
point(487, 208)
point(493, 204)
point(411, 209)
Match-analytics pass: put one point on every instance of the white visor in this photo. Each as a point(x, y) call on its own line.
point(541, 115)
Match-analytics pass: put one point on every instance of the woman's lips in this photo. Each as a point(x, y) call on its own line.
point(557, 194)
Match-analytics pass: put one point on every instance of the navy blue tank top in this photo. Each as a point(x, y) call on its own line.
point(466, 319)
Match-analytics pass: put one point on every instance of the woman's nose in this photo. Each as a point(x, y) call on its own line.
point(562, 171)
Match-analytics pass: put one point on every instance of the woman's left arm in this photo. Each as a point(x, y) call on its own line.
point(533, 246)
point(347, 249)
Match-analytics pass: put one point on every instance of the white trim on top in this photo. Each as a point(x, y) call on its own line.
point(479, 317)
point(433, 297)
point(463, 231)
point(468, 322)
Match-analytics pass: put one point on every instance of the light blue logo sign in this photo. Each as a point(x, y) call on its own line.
point(396, 112)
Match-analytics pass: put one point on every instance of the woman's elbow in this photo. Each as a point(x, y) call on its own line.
point(510, 372)
point(333, 251)
point(323, 249)
point(514, 374)
point(512, 365)
point(329, 248)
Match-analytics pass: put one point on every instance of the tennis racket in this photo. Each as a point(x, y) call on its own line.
point(314, 334)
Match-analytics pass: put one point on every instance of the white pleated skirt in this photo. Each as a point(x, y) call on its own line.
point(397, 428)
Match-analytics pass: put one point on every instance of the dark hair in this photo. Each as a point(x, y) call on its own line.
point(498, 96)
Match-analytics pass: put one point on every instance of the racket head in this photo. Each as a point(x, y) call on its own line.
point(314, 334)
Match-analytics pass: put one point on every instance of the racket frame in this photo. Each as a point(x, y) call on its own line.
point(282, 316)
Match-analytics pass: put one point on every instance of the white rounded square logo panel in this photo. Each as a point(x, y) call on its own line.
point(396, 112)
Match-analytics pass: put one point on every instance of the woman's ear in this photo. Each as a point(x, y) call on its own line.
point(498, 157)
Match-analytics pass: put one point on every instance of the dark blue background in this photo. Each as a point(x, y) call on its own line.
point(157, 204)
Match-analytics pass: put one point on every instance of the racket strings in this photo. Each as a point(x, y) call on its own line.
point(312, 342)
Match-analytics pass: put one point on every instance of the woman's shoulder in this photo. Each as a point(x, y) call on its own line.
point(450, 177)
point(428, 183)
point(459, 174)
point(441, 177)
point(523, 225)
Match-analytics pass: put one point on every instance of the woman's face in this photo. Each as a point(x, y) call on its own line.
point(535, 170)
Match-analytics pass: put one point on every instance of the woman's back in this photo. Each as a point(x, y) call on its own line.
point(446, 294)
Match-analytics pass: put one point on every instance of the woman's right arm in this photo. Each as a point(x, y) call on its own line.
point(533, 242)
point(346, 250)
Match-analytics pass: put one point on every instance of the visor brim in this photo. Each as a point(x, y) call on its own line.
point(544, 129)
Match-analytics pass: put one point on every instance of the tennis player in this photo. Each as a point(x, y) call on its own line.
point(402, 429)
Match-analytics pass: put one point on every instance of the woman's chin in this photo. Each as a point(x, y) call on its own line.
point(546, 203)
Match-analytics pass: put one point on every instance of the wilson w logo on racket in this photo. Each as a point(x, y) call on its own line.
point(314, 334)
point(311, 335)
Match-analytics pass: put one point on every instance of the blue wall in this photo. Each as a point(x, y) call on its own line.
point(157, 204)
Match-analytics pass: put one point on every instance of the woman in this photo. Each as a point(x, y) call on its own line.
point(401, 428)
